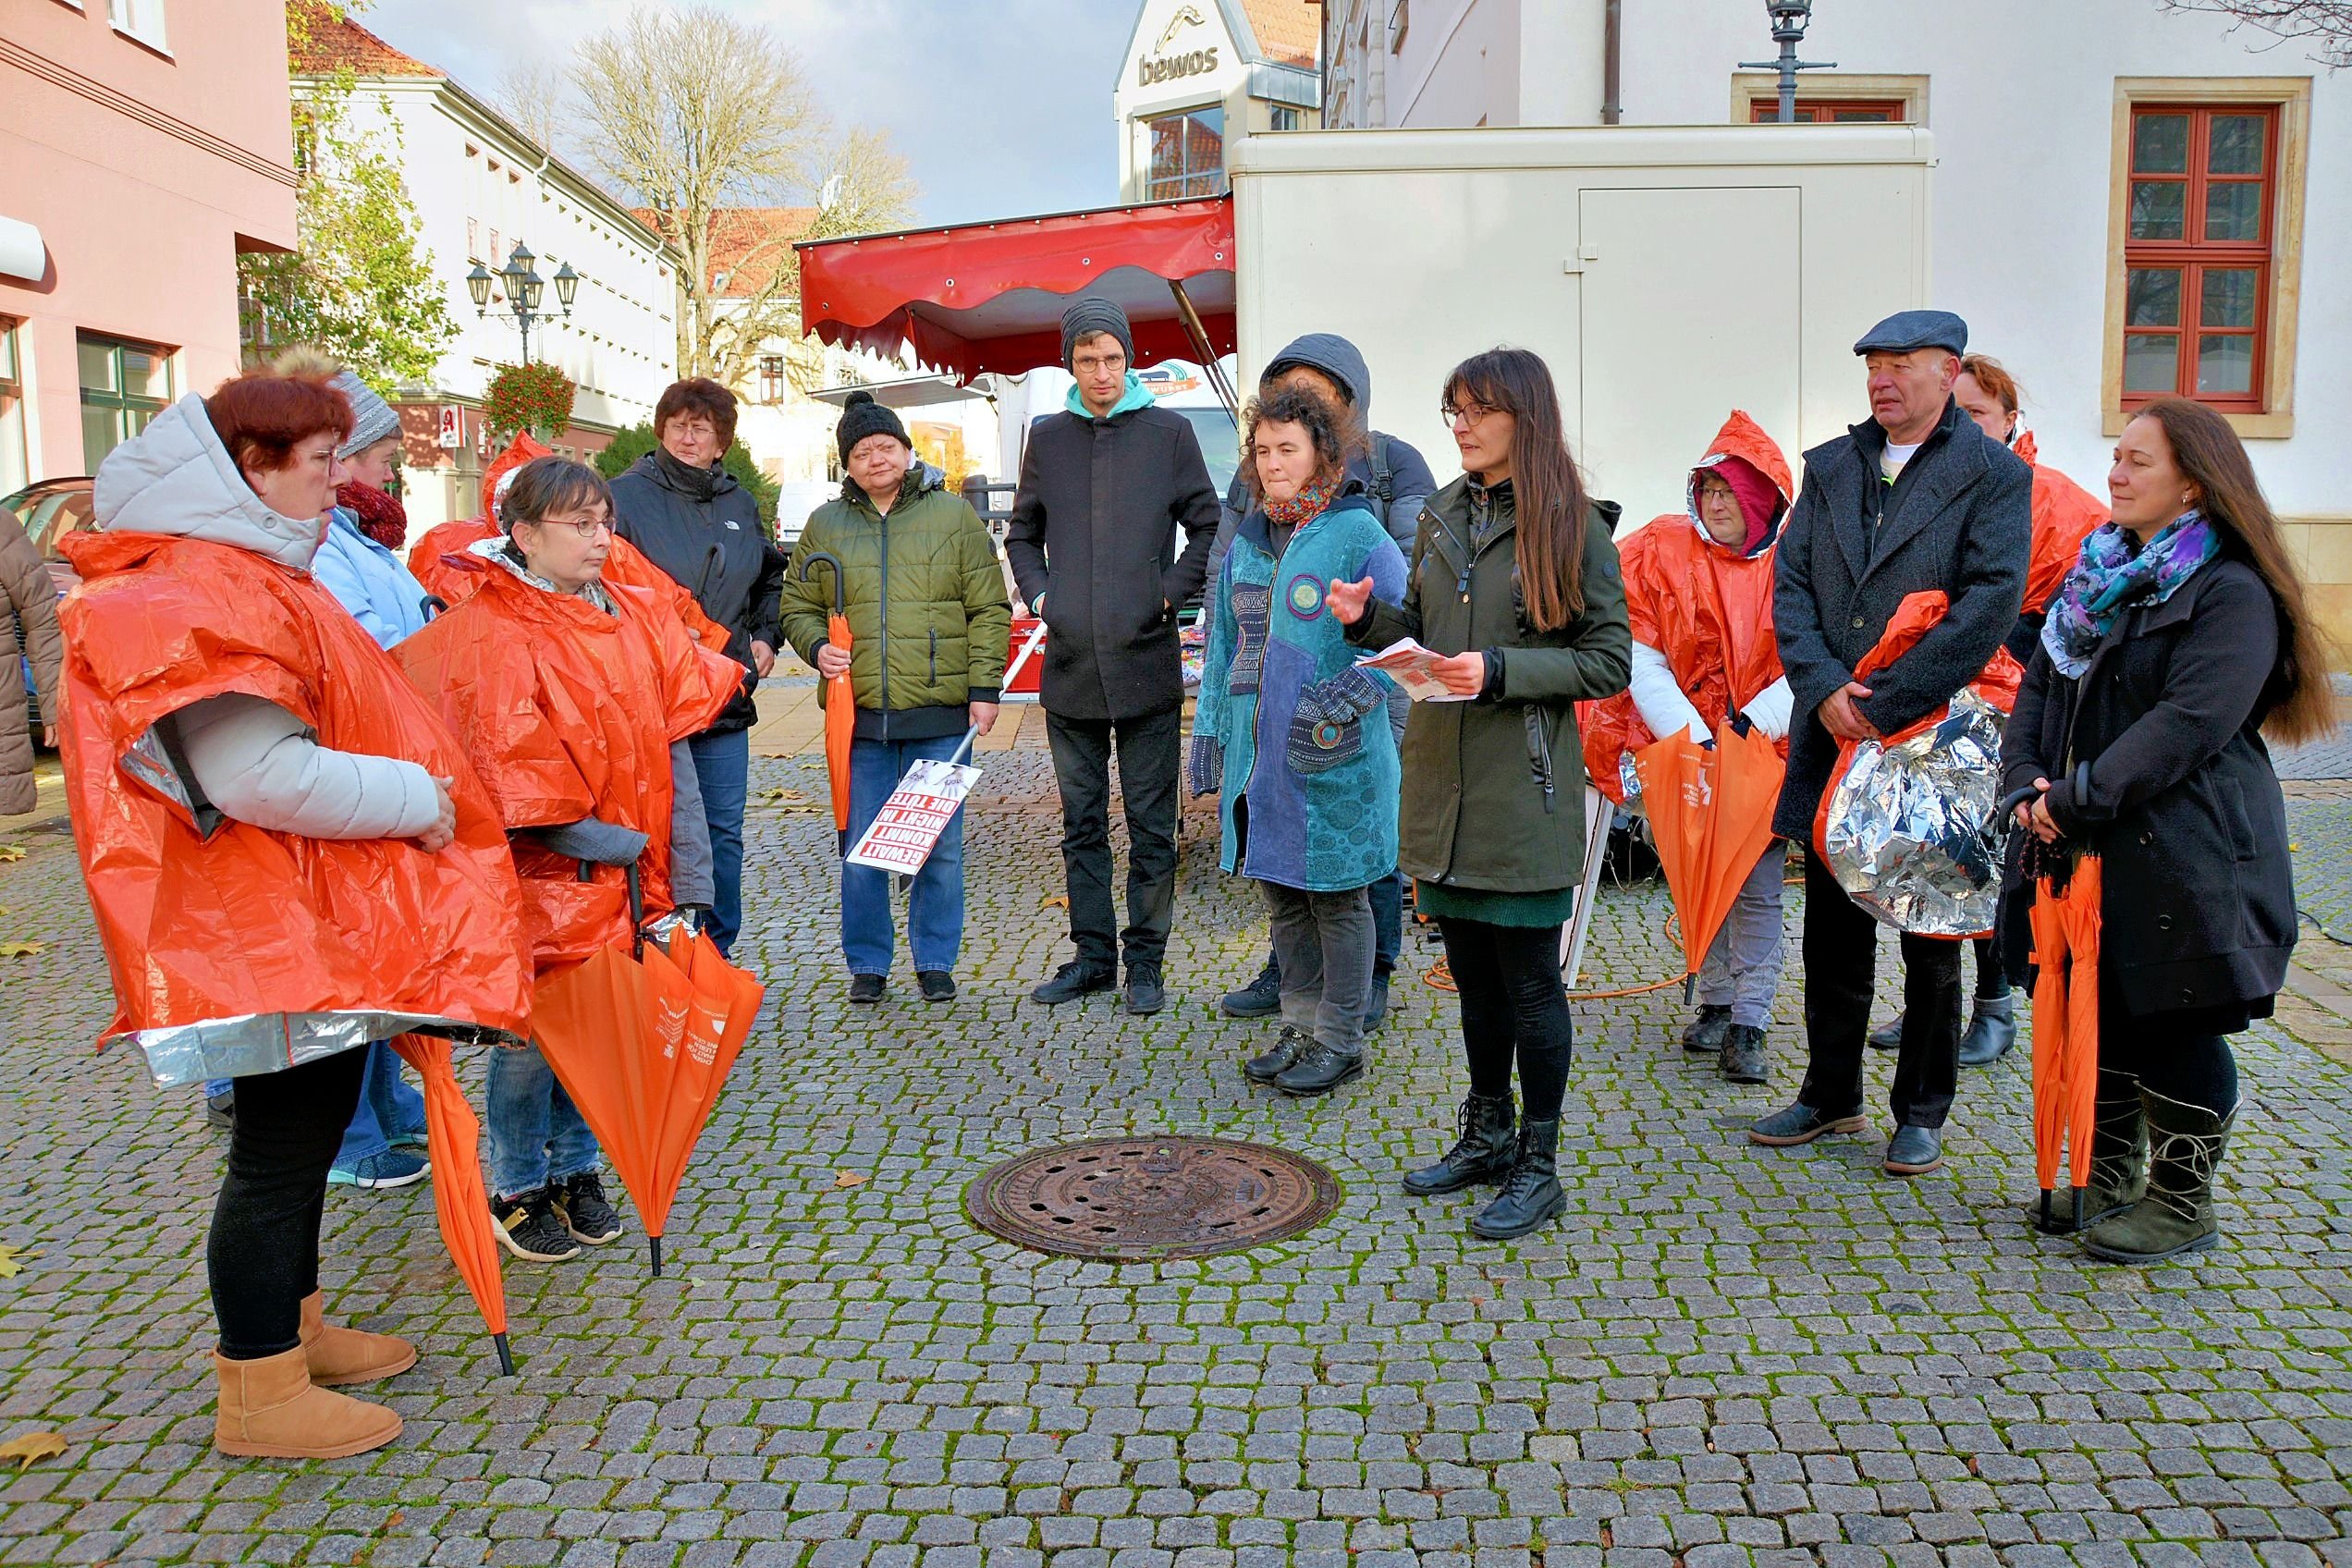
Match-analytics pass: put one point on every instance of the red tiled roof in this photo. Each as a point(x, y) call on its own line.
point(1290, 32)
point(736, 232)
point(319, 42)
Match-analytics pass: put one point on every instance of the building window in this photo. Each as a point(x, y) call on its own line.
point(771, 379)
point(2204, 237)
point(2197, 252)
point(1185, 154)
point(1846, 98)
point(473, 239)
point(1281, 117)
point(142, 19)
point(1400, 23)
point(123, 386)
point(14, 472)
point(1831, 111)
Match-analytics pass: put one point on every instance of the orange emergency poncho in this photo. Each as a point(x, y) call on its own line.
point(451, 538)
point(2064, 515)
point(235, 949)
point(453, 576)
point(1707, 607)
point(567, 711)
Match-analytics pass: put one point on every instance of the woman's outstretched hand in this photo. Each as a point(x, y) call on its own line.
point(1349, 600)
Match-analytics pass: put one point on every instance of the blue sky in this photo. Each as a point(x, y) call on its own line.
point(1000, 106)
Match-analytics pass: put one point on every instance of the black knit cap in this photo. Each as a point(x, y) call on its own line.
point(861, 417)
point(1091, 314)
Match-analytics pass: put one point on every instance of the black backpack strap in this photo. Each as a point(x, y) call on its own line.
point(1383, 480)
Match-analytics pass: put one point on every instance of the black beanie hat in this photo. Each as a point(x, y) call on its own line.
point(1092, 313)
point(861, 417)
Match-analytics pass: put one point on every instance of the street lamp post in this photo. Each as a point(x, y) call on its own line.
point(1789, 21)
point(523, 290)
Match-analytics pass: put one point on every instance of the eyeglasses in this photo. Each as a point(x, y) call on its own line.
point(586, 527)
point(1465, 414)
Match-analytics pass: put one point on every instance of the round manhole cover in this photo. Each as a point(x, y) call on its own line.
point(1129, 1198)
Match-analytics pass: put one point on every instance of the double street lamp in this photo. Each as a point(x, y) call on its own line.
point(1789, 21)
point(524, 288)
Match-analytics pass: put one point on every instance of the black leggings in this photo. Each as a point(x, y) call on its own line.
point(2182, 1056)
point(1512, 1006)
point(263, 1253)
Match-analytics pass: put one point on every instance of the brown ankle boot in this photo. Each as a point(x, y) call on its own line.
point(339, 1355)
point(270, 1408)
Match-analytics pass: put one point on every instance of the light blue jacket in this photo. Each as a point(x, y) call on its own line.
point(368, 581)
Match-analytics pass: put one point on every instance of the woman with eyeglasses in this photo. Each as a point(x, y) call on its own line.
point(1515, 580)
point(575, 701)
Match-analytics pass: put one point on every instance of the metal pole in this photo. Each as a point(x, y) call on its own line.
point(1788, 80)
point(1208, 350)
point(1612, 63)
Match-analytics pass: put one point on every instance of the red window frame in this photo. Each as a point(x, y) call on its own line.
point(2192, 258)
point(1832, 111)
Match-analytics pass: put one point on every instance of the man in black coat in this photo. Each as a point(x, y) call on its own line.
point(1914, 498)
point(1105, 486)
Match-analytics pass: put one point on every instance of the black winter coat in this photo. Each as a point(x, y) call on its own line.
point(1961, 523)
point(2197, 901)
point(1094, 534)
point(717, 550)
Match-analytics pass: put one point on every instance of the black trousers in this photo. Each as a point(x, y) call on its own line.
point(1513, 1008)
point(1841, 954)
point(2183, 1056)
point(1150, 762)
point(262, 1256)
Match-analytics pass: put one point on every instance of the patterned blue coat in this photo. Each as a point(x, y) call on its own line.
point(1303, 733)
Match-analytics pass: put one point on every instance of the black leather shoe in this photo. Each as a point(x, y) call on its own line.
point(1914, 1151)
point(1992, 1029)
point(1376, 1003)
point(1888, 1036)
point(1484, 1151)
point(865, 987)
point(1531, 1194)
point(1273, 1062)
point(938, 986)
point(1743, 1053)
point(1800, 1124)
point(1145, 992)
point(221, 1110)
point(1704, 1034)
point(1070, 982)
point(1262, 998)
point(1318, 1071)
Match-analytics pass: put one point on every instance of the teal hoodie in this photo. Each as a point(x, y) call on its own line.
point(1137, 396)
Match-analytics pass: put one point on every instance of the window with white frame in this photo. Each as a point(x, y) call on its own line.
point(14, 473)
point(142, 19)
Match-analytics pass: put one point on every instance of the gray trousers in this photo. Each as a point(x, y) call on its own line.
point(1743, 969)
point(1323, 945)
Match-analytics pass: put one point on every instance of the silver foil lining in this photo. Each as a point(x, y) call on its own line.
point(271, 1042)
point(1910, 832)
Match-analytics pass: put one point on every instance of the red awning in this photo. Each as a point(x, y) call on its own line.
point(986, 297)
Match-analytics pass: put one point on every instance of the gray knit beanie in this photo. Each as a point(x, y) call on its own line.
point(372, 418)
point(1091, 314)
point(861, 417)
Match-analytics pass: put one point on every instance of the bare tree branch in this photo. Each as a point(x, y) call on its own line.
point(533, 93)
point(2325, 25)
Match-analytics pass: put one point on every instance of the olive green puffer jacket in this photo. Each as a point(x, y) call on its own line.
point(928, 614)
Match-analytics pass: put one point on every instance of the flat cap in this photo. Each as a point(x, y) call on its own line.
point(1906, 330)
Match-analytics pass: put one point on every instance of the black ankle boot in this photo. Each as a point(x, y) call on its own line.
point(1531, 1194)
point(1483, 1153)
point(1992, 1029)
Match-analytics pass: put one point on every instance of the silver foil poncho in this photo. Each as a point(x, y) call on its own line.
point(1910, 832)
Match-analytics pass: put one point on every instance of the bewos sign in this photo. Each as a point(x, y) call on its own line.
point(1160, 66)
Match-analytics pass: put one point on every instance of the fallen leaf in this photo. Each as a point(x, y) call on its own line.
point(9, 1266)
point(849, 1179)
point(11, 851)
point(30, 1447)
point(1054, 900)
point(22, 949)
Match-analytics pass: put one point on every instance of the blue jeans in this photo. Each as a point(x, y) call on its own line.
point(536, 1135)
point(935, 909)
point(723, 759)
point(388, 1110)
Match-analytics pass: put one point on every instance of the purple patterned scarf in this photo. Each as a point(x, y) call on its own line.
point(2113, 575)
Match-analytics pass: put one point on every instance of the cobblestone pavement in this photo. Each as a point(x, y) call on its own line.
point(1721, 1355)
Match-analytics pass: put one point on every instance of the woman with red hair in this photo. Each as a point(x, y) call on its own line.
point(286, 855)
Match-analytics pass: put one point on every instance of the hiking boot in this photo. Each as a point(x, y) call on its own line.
point(1914, 1151)
point(1146, 994)
point(866, 987)
point(220, 1109)
point(1743, 1058)
point(338, 1355)
point(527, 1225)
point(1800, 1124)
point(937, 984)
point(393, 1167)
point(579, 1203)
point(1531, 1193)
point(270, 1408)
point(2186, 1144)
point(1278, 1058)
point(1318, 1071)
point(1704, 1034)
point(1262, 998)
point(1072, 981)
point(1888, 1036)
point(1376, 1003)
point(2118, 1160)
point(1485, 1150)
point(1992, 1029)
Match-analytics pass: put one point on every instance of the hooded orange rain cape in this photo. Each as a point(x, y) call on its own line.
point(2064, 515)
point(235, 949)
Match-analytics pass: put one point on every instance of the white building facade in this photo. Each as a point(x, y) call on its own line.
point(481, 187)
point(2125, 197)
point(1200, 74)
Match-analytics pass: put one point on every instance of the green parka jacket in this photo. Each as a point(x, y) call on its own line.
point(1494, 788)
point(928, 614)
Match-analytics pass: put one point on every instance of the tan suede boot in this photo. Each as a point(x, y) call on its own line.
point(270, 1408)
point(339, 1355)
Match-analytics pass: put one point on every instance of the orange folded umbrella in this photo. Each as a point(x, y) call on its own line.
point(2065, 1024)
point(841, 700)
point(726, 1001)
point(1710, 815)
point(459, 1201)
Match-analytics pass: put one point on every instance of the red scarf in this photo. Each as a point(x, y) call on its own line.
point(381, 517)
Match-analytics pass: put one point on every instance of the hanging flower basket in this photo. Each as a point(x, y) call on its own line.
point(533, 398)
